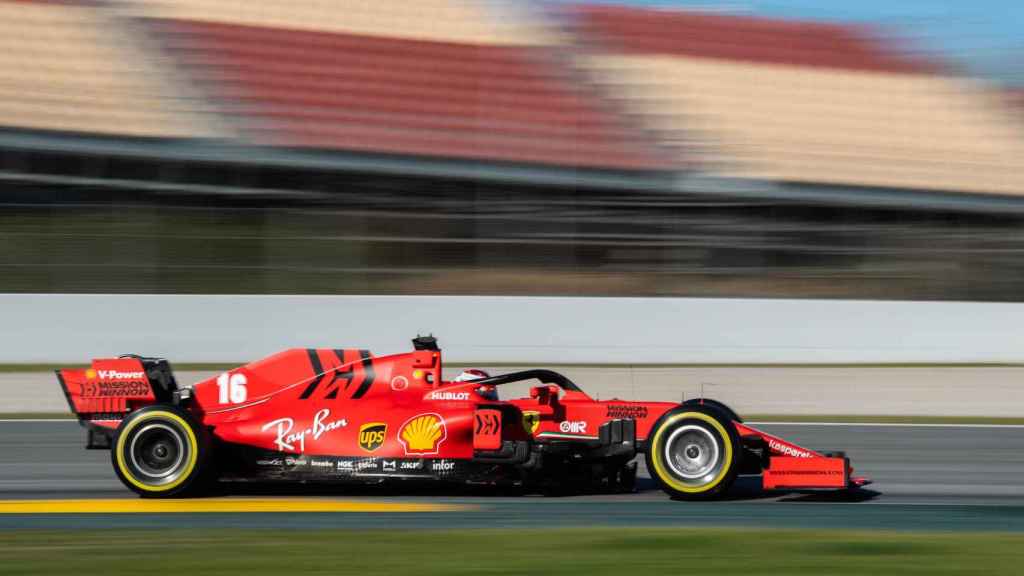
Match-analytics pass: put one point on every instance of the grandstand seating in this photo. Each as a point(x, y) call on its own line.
point(1015, 96)
point(613, 88)
point(436, 78)
point(62, 68)
point(460, 21)
point(802, 102)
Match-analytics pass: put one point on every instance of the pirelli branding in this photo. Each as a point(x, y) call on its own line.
point(371, 435)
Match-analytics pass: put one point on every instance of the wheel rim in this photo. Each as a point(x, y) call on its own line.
point(157, 454)
point(693, 455)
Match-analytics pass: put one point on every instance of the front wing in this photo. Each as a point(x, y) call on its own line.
point(786, 465)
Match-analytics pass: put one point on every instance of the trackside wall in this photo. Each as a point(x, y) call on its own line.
point(42, 328)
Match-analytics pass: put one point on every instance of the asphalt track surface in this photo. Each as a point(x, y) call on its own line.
point(934, 477)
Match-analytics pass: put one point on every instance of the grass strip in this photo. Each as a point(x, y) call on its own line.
point(536, 551)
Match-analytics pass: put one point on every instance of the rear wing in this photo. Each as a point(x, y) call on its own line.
point(102, 394)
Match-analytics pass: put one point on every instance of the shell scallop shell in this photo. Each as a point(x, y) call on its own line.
point(423, 433)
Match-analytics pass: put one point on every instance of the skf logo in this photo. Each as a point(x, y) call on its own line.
point(531, 420)
point(422, 434)
point(371, 436)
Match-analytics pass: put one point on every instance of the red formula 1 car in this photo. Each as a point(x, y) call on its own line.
point(347, 416)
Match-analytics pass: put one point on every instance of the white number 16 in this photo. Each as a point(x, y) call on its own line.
point(232, 388)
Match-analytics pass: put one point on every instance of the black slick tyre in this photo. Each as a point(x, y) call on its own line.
point(159, 452)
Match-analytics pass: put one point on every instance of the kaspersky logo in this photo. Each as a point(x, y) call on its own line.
point(371, 435)
point(422, 434)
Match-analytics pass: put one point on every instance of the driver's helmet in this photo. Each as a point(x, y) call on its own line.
point(488, 391)
point(470, 374)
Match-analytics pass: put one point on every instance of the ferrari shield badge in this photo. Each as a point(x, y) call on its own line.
point(531, 420)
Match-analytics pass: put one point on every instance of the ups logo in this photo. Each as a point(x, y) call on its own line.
point(371, 436)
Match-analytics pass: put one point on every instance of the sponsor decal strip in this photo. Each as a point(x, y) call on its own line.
point(355, 467)
point(216, 505)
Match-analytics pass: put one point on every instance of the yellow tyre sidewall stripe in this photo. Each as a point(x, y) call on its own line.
point(659, 464)
point(193, 451)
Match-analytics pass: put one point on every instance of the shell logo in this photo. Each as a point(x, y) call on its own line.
point(422, 434)
point(90, 373)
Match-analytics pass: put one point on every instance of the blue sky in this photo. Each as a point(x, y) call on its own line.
point(987, 36)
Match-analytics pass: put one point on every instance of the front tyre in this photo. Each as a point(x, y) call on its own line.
point(160, 452)
point(694, 453)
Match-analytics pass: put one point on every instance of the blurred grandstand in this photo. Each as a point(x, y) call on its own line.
point(461, 146)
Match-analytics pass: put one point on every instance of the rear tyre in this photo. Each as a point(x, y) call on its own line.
point(160, 451)
point(694, 453)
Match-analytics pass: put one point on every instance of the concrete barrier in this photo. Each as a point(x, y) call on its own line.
point(631, 331)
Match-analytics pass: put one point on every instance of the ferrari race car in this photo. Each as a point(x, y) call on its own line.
point(344, 415)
